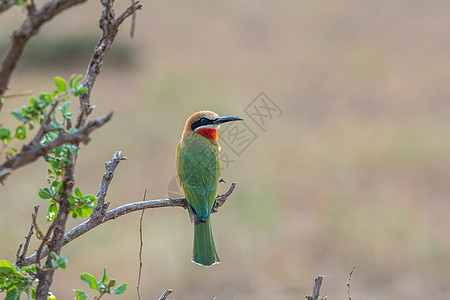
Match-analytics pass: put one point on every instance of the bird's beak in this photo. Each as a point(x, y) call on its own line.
point(226, 119)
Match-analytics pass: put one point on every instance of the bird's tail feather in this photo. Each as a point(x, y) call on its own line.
point(204, 250)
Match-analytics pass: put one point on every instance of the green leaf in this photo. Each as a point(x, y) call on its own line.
point(43, 195)
point(56, 187)
point(62, 262)
point(54, 260)
point(72, 77)
point(105, 277)
point(7, 269)
point(13, 295)
point(21, 132)
point(52, 212)
point(5, 133)
point(19, 115)
point(78, 193)
point(80, 295)
point(72, 148)
point(61, 85)
point(84, 212)
point(80, 91)
point(86, 277)
point(120, 290)
point(45, 98)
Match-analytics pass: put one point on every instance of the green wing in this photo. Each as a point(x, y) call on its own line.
point(198, 168)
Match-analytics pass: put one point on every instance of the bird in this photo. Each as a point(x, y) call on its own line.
point(198, 168)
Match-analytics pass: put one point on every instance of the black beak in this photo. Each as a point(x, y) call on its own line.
point(226, 119)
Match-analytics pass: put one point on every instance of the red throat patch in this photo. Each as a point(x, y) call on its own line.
point(208, 133)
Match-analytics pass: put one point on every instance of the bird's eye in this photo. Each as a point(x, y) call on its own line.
point(204, 120)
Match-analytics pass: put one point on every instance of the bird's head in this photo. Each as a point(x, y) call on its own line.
point(206, 123)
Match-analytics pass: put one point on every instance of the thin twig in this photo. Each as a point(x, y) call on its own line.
point(316, 289)
point(123, 210)
point(5, 4)
point(141, 245)
point(39, 234)
point(19, 94)
point(20, 258)
point(110, 27)
point(220, 200)
point(348, 283)
point(165, 294)
point(44, 243)
point(133, 20)
point(101, 207)
point(44, 127)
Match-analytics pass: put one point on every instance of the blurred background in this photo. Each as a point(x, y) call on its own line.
point(352, 168)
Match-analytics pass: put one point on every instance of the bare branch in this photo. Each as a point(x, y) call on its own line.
point(141, 245)
point(348, 283)
point(110, 27)
point(220, 200)
point(101, 207)
point(31, 152)
point(6, 4)
point(20, 258)
point(123, 210)
point(316, 289)
point(133, 21)
point(44, 244)
point(165, 294)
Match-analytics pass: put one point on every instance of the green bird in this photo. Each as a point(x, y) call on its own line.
point(198, 167)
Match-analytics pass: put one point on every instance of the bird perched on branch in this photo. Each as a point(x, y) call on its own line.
point(198, 167)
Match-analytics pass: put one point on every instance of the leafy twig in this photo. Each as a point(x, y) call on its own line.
point(31, 152)
point(22, 35)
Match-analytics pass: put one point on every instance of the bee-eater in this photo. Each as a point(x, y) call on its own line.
point(198, 167)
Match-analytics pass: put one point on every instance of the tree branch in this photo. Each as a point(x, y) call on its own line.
point(126, 209)
point(101, 207)
point(165, 294)
point(29, 28)
point(316, 289)
point(110, 27)
point(20, 258)
point(6, 4)
point(348, 282)
point(33, 151)
point(141, 245)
